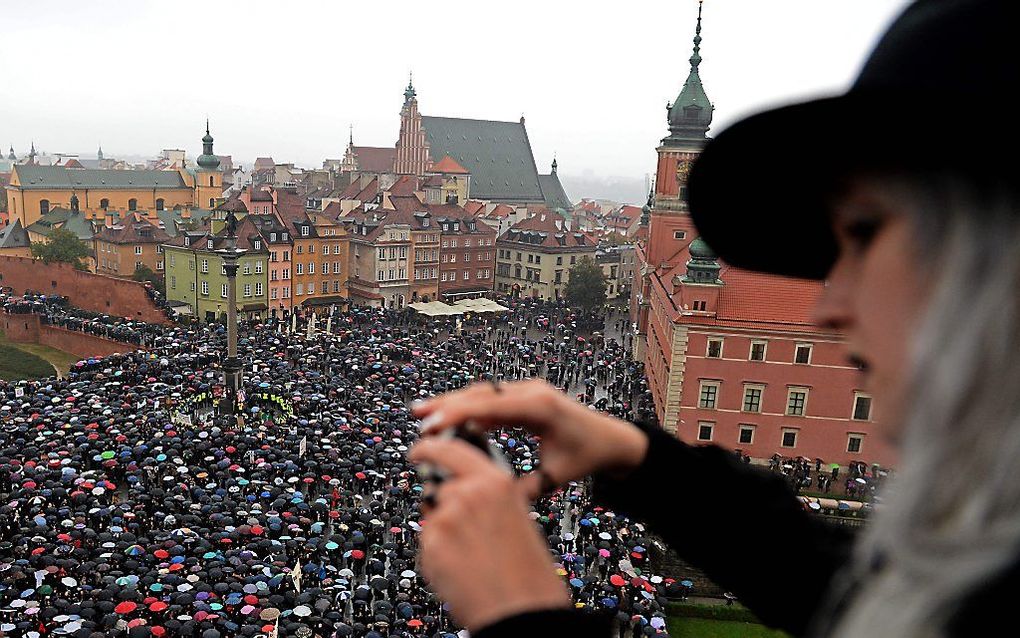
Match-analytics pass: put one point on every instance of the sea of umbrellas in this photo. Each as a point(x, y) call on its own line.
point(131, 508)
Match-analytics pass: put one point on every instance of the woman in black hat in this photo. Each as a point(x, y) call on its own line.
point(913, 219)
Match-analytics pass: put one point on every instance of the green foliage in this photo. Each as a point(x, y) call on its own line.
point(63, 247)
point(144, 273)
point(16, 365)
point(587, 285)
point(712, 612)
point(705, 628)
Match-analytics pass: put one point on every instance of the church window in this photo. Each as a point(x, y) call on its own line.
point(132, 204)
point(104, 203)
point(44, 206)
point(160, 204)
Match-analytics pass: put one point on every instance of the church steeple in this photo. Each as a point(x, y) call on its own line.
point(208, 159)
point(690, 115)
point(11, 155)
point(554, 165)
point(409, 92)
point(99, 155)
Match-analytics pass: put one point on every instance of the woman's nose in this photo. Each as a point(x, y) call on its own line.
point(834, 309)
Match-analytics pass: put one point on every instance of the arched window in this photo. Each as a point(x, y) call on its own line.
point(211, 181)
point(44, 206)
point(132, 204)
point(104, 203)
point(160, 204)
point(212, 202)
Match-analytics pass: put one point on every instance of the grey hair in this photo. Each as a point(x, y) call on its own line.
point(950, 520)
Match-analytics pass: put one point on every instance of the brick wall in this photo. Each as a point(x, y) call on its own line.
point(26, 328)
point(98, 293)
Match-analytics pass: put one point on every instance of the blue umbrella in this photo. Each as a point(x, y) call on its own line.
point(577, 582)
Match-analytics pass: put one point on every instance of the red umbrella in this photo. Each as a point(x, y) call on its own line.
point(357, 554)
point(617, 580)
point(414, 622)
point(159, 605)
point(125, 607)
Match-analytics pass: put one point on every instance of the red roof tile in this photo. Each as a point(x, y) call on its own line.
point(405, 185)
point(375, 159)
point(448, 165)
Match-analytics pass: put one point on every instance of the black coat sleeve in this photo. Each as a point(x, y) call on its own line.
point(556, 623)
point(741, 525)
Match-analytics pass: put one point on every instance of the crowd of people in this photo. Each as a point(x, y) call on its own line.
point(133, 508)
point(860, 482)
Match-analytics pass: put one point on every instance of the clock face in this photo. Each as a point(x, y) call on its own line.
point(683, 169)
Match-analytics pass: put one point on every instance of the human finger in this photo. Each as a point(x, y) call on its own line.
point(423, 408)
point(531, 405)
point(456, 457)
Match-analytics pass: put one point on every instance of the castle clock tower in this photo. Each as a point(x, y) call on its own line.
point(689, 118)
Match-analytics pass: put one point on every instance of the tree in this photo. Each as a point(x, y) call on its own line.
point(145, 274)
point(587, 284)
point(63, 247)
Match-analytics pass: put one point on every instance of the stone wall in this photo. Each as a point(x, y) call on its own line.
point(98, 293)
point(27, 328)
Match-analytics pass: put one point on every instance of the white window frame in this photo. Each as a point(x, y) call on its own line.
point(853, 406)
point(746, 427)
point(789, 395)
point(811, 352)
point(711, 431)
point(701, 390)
point(708, 347)
point(223, 291)
point(860, 445)
point(764, 349)
point(761, 397)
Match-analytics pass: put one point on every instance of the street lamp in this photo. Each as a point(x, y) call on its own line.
point(231, 365)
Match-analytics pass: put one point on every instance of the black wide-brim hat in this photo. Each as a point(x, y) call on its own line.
point(931, 98)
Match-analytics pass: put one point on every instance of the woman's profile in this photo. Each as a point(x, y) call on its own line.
point(902, 194)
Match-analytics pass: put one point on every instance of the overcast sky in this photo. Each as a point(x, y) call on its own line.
point(287, 78)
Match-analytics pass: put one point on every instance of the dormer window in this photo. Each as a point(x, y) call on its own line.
point(283, 236)
point(272, 236)
point(692, 112)
point(187, 240)
point(257, 244)
point(210, 243)
point(304, 231)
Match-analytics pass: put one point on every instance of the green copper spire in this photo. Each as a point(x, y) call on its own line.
point(690, 115)
point(703, 266)
point(208, 159)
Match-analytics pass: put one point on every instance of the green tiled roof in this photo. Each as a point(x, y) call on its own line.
point(63, 218)
point(552, 189)
point(14, 236)
point(173, 221)
point(498, 154)
point(57, 177)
